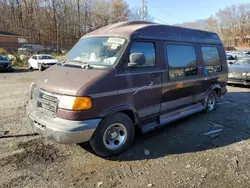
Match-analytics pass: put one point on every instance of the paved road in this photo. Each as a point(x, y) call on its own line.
point(180, 154)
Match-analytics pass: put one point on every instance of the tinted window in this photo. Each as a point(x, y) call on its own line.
point(181, 56)
point(34, 57)
point(210, 56)
point(211, 60)
point(147, 49)
point(3, 58)
point(181, 61)
point(229, 57)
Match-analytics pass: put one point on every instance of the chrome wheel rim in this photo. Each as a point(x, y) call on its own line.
point(115, 136)
point(211, 102)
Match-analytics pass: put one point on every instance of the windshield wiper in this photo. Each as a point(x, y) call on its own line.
point(82, 64)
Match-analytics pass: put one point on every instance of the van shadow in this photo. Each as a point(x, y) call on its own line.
point(187, 135)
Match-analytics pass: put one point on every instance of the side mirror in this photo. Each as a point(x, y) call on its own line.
point(136, 59)
point(230, 63)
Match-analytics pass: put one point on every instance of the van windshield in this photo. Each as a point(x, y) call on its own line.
point(100, 51)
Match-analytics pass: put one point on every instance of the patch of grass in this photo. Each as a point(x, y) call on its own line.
point(3, 51)
point(18, 61)
point(59, 57)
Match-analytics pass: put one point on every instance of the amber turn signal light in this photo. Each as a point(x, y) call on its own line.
point(82, 103)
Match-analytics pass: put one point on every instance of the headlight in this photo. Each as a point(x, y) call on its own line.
point(75, 103)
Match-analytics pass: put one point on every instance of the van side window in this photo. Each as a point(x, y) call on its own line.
point(181, 61)
point(147, 49)
point(211, 60)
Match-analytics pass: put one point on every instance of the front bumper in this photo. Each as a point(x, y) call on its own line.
point(48, 65)
point(62, 130)
point(9, 68)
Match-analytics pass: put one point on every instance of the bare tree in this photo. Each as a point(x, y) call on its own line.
point(231, 23)
point(63, 21)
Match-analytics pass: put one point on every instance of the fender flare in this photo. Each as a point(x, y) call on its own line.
point(210, 89)
point(120, 108)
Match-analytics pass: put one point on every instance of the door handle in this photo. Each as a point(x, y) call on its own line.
point(155, 74)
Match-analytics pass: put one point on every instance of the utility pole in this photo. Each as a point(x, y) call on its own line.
point(57, 38)
point(85, 16)
point(144, 9)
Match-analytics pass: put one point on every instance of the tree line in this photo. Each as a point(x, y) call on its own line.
point(231, 23)
point(65, 21)
point(46, 21)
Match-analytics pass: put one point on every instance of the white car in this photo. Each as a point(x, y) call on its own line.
point(41, 61)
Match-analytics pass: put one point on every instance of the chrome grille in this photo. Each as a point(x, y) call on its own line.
point(4, 65)
point(47, 97)
point(47, 101)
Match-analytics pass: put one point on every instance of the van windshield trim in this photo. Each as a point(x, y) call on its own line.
point(108, 52)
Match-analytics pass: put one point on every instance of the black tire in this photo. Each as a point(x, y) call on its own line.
point(97, 140)
point(212, 96)
point(40, 67)
point(30, 67)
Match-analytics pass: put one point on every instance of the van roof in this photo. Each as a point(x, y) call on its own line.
point(150, 30)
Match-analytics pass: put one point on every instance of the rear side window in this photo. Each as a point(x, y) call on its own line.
point(211, 60)
point(181, 61)
point(147, 49)
point(34, 57)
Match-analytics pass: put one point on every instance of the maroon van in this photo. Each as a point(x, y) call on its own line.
point(125, 75)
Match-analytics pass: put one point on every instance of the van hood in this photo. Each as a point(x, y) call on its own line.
point(66, 80)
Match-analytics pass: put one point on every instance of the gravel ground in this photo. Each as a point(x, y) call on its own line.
point(177, 155)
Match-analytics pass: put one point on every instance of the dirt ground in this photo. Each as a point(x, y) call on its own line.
point(177, 155)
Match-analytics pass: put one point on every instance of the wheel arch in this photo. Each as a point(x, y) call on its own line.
point(215, 87)
point(127, 109)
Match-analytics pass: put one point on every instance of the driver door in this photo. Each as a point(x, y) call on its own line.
point(144, 81)
point(34, 62)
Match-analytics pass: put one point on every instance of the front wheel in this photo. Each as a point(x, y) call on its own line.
point(211, 101)
point(40, 67)
point(30, 67)
point(114, 135)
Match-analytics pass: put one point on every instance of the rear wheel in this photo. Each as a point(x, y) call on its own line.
point(211, 102)
point(114, 135)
